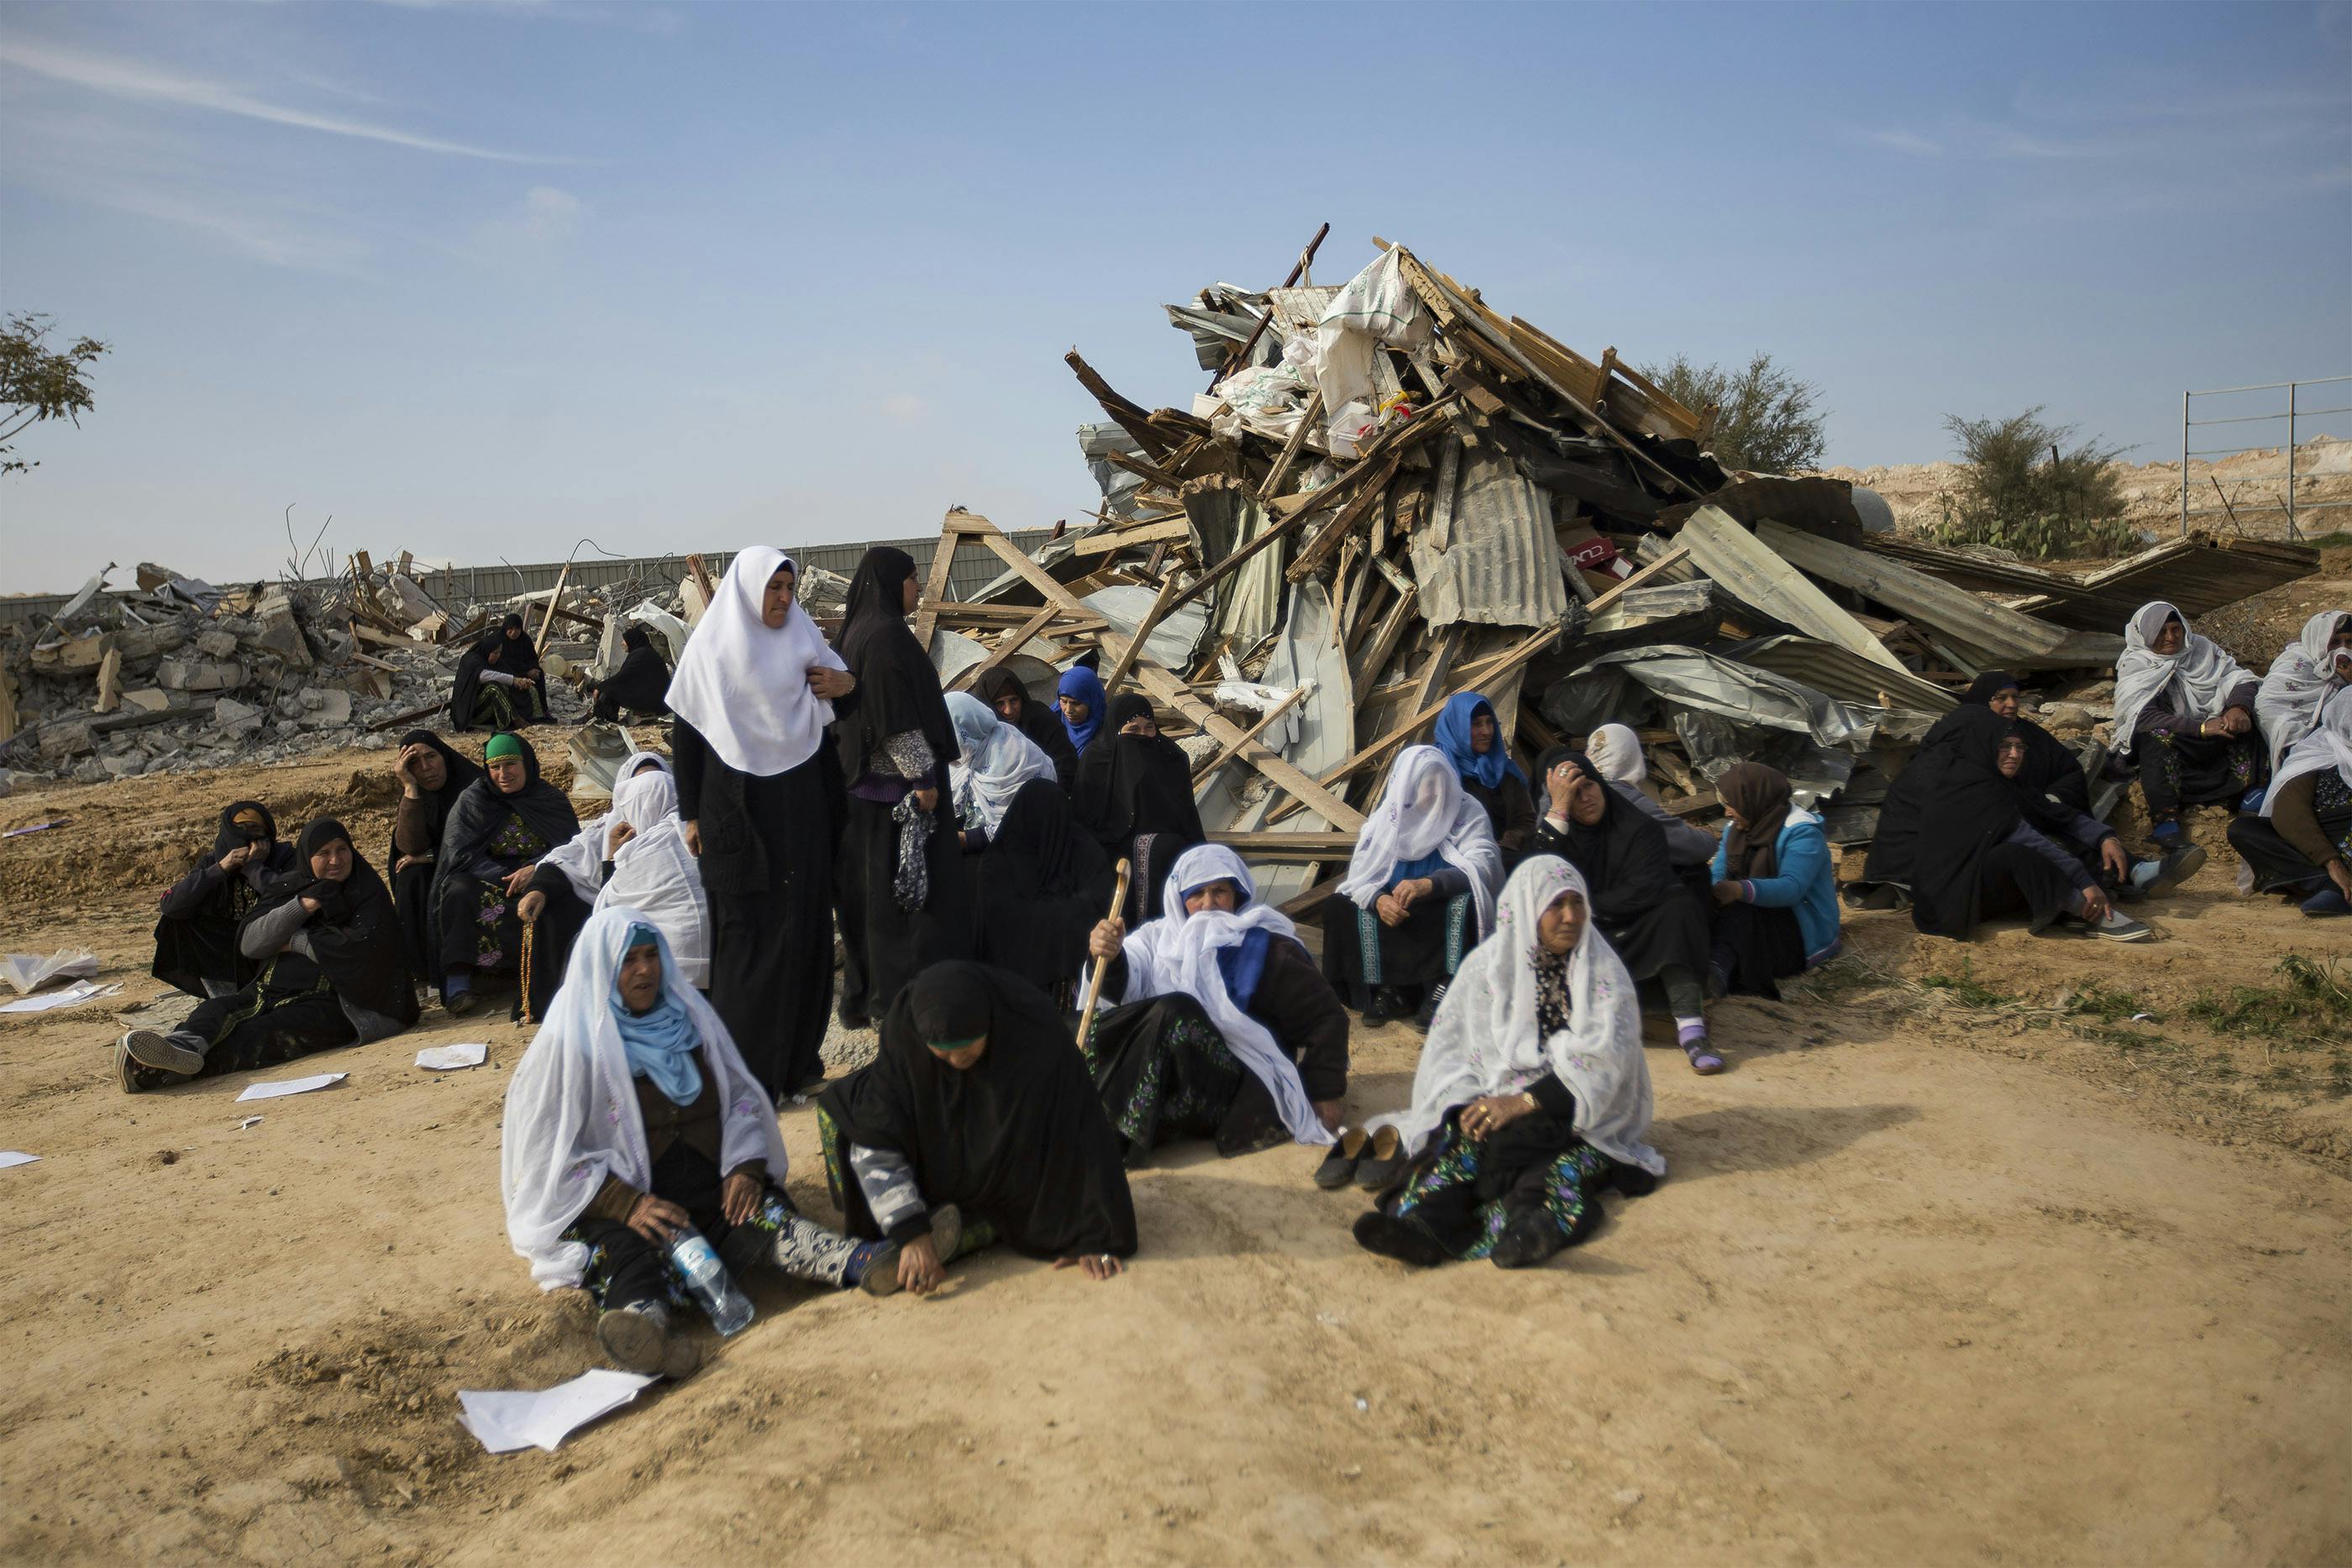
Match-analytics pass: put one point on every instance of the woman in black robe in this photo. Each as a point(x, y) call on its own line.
point(1135, 795)
point(978, 1098)
point(1002, 690)
point(195, 931)
point(1646, 910)
point(753, 694)
point(906, 898)
point(489, 848)
point(2050, 766)
point(432, 774)
point(641, 685)
point(1965, 841)
point(1043, 885)
point(499, 684)
point(326, 969)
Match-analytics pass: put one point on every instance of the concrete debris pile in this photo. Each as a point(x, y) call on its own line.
point(174, 674)
point(1392, 492)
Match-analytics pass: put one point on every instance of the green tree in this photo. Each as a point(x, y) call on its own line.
point(2023, 488)
point(38, 382)
point(1765, 420)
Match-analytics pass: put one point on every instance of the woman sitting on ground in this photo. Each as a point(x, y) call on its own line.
point(1043, 883)
point(324, 968)
point(2185, 720)
point(1228, 1031)
point(1532, 1097)
point(1135, 795)
point(1010, 700)
point(1419, 893)
point(997, 760)
point(1616, 752)
point(2301, 844)
point(641, 685)
point(196, 932)
point(431, 775)
point(1776, 906)
point(1968, 845)
point(632, 1118)
point(977, 1099)
point(1472, 739)
point(500, 683)
point(2306, 672)
point(635, 855)
point(490, 849)
point(1649, 915)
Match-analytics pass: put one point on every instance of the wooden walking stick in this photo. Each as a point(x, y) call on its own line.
point(1094, 983)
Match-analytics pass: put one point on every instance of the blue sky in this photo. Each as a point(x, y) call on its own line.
point(481, 279)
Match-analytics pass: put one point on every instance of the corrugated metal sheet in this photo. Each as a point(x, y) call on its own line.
point(481, 584)
point(1833, 672)
point(1488, 554)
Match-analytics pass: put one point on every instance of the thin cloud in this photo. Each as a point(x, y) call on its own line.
point(1906, 141)
point(130, 80)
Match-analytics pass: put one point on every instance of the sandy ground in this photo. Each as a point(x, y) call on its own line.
point(1939, 1276)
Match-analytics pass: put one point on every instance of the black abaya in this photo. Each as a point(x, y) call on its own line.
point(641, 685)
point(1133, 788)
point(1017, 1140)
point(1650, 915)
point(767, 870)
point(195, 932)
point(1039, 721)
point(1943, 832)
point(463, 890)
point(412, 885)
point(1043, 883)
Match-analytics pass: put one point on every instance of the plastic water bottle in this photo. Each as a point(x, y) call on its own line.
point(707, 1282)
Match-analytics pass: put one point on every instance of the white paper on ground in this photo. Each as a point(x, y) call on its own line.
point(28, 972)
point(507, 1421)
point(441, 1058)
point(286, 1086)
point(15, 1158)
point(80, 991)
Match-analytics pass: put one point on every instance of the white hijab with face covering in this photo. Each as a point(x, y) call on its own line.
point(1487, 1038)
point(2194, 682)
point(743, 683)
point(2302, 677)
point(1617, 752)
point(1423, 811)
point(1178, 952)
point(653, 873)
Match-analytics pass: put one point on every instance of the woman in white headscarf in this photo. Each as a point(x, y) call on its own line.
point(2306, 672)
point(632, 1118)
point(997, 760)
point(753, 694)
point(1227, 1028)
point(2301, 844)
point(1532, 1098)
point(1616, 751)
point(1419, 893)
point(635, 855)
point(2185, 719)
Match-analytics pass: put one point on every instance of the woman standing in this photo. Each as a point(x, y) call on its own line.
point(1532, 1097)
point(752, 695)
point(906, 893)
point(431, 775)
point(1472, 739)
point(1135, 795)
point(491, 845)
point(2185, 718)
point(1002, 690)
point(1043, 885)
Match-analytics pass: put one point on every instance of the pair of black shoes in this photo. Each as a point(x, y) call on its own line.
point(1388, 1003)
point(1529, 1237)
point(1371, 1160)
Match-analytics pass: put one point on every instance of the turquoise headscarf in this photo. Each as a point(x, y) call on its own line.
point(660, 1044)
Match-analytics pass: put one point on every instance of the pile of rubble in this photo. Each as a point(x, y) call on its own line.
point(176, 675)
point(1393, 492)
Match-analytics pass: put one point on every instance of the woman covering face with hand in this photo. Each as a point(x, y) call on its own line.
point(195, 930)
point(432, 774)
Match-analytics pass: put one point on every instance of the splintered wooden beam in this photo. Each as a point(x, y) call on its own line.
point(1014, 641)
point(935, 586)
point(1315, 552)
point(1107, 540)
point(1272, 485)
point(1288, 846)
point(1131, 417)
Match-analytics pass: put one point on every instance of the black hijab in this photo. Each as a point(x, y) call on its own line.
point(898, 689)
point(492, 650)
point(641, 682)
point(1943, 812)
point(1044, 885)
point(458, 772)
point(1018, 1139)
point(2051, 767)
point(356, 936)
point(1039, 721)
point(1623, 856)
point(1129, 785)
point(186, 950)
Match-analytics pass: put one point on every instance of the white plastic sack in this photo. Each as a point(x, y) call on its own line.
point(1349, 427)
point(26, 972)
point(1374, 307)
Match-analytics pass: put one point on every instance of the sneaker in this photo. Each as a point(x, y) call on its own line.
point(2327, 904)
point(2121, 927)
point(464, 1004)
point(134, 1078)
point(153, 1048)
point(2252, 801)
point(638, 1340)
point(2167, 834)
point(1428, 1013)
point(881, 1276)
point(2175, 868)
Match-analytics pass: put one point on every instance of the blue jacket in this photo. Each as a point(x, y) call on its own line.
point(1807, 883)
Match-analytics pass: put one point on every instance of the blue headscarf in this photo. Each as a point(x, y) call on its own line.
point(1454, 739)
point(1243, 964)
point(660, 1044)
point(1083, 685)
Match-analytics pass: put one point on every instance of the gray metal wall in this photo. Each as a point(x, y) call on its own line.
point(974, 569)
